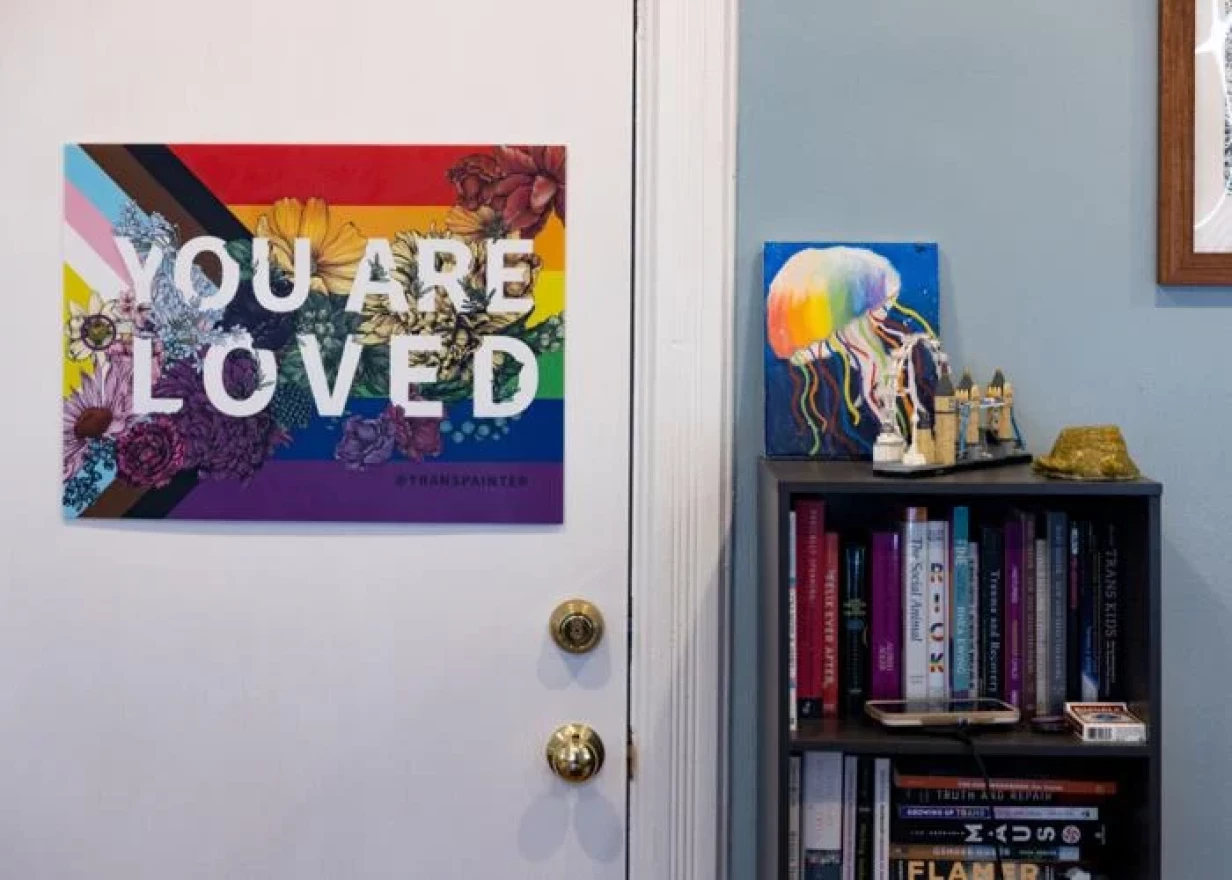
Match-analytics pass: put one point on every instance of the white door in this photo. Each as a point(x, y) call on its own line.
point(209, 701)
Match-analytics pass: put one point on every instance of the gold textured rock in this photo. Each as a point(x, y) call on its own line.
point(1096, 452)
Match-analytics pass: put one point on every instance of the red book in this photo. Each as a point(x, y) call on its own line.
point(810, 541)
point(829, 638)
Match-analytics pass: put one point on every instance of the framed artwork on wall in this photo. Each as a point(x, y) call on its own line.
point(1195, 143)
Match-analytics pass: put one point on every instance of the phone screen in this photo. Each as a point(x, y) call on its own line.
point(933, 707)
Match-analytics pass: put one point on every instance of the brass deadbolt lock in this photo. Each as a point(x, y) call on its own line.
point(576, 626)
point(575, 753)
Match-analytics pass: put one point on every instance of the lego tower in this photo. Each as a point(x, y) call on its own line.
point(1003, 417)
point(945, 421)
point(968, 392)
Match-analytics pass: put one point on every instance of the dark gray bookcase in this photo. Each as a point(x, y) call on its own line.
point(856, 499)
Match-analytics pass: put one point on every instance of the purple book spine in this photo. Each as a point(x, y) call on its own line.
point(1014, 648)
point(887, 618)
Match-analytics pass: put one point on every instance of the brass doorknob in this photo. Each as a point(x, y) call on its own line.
point(576, 626)
point(575, 753)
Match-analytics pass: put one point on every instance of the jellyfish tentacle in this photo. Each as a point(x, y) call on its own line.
point(807, 402)
point(866, 364)
point(797, 399)
point(851, 407)
point(836, 413)
point(912, 313)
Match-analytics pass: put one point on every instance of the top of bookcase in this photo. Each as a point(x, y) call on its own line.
point(857, 478)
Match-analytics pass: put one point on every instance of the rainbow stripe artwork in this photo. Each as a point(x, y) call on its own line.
point(835, 315)
point(314, 333)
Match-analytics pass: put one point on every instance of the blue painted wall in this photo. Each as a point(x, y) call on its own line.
point(1021, 138)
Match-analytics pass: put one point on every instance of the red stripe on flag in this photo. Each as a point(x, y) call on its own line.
point(259, 174)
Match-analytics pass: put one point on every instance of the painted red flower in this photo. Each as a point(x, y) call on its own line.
point(150, 453)
point(474, 177)
point(532, 188)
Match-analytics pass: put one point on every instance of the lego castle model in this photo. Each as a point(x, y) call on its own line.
point(965, 429)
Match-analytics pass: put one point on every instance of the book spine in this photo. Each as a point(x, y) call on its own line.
point(810, 523)
point(915, 588)
point(1030, 641)
point(793, 819)
point(1005, 814)
point(793, 642)
point(851, 769)
point(854, 663)
point(821, 816)
point(938, 610)
point(977, 670)
point(1043, 629)
point(1073, 648)
point(1109, 685)
point(1012, 639)
point(865, 807)
point(1059, 572)
point(960, 606)
point(886, 613)
point(1022, 787)
point(991, 567)
point(830, 635)
point(881, 819)
point(1089, 603)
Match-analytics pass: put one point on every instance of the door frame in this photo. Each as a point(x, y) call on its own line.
point(683, 296)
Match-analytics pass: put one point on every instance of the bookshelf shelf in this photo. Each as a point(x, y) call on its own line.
point(859, 737)
point(858, 503)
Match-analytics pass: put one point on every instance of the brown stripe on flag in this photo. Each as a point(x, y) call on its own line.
point(149, 194)
point(114, 501)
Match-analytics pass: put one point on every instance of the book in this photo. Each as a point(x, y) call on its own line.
point(886, 624)
point(854, 665)
point(980, 790)
point(810, 525)
point(1013, 632)
point(960, 605)
point(830, 630)
point(938, 606)
point(986, 869)
point(881, 818)
point(851, 768)
point(1110, 669)
point(1029, 640)
point(915, 614)
point(1089, 605)
point(1073, 647)
point(793, 643)
point(793, 819)
point(1058, 571)
point(991, 569)
point(821, 816)
point(865, 807)
point(977, 672)
point(1043, 629)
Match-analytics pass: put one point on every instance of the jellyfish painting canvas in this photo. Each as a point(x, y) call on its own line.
point(834, 315)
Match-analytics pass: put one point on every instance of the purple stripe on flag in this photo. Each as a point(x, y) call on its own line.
point(400, 491)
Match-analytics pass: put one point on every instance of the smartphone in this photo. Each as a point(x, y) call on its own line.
point(941, 713)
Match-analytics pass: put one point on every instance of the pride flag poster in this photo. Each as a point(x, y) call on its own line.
point(314, 332)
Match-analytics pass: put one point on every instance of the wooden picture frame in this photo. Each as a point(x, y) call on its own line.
point(1195, 148)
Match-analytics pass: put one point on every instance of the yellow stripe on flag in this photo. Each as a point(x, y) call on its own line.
point(78, 292)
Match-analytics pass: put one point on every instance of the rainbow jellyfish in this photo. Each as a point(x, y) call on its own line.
point(837, 304)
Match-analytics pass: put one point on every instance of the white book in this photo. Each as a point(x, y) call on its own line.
point(821, 816)
point(938, 607)
point(881, 819)
point(793, 664)
point(973, 569)
point(851, 767)
point(793, 819)
point(915, 614)
point(1043, 627)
